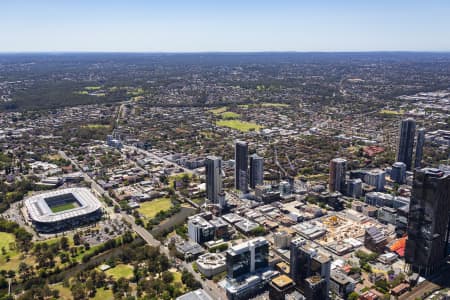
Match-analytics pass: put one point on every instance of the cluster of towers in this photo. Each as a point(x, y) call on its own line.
point(244, 176)
point(406, 144)
point(429, 210)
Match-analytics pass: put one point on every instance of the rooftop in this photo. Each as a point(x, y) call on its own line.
point(282, 281)
point(199, 294)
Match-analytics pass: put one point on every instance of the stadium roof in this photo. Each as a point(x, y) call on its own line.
point(39, 210)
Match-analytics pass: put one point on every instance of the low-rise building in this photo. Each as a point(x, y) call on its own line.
point(210, 264)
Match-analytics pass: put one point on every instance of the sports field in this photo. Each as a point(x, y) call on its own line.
point(239, 125)
point(229, 115)
point(219, 110)
point(149, 209)
point(63, 207)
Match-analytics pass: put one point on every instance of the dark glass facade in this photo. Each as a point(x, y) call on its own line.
point(241, 167)
point(428, 225)
point(406, 142)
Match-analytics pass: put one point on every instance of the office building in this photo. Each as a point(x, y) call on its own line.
point(247, 257)
point(374, 239)
point(285, 188)
point(354, 188)
point(282, 239)
point(316, 288)
point(398, 172)
point(213, 171)
point(406, 142)
point(382, 199)
point(306, 262)
point(337, 175)
point(419, 148)
point(200, 230)
point(249, 286)
point(241, 167)
point(210, 264)
point(376, 178)
point(341, 284)
point(426, 247)
point(387, 215)
point(256, 170)
point(280, 286)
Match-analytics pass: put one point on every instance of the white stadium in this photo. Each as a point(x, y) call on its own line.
point(63, 209)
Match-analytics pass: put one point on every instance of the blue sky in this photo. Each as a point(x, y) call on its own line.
point(224, 25)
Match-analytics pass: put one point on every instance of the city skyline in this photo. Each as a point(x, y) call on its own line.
point(199, 26)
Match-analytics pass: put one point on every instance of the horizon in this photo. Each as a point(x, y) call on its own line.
point(203, 27)
point(233, 52)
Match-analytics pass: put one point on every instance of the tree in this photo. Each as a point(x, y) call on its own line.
point(64, 243)
point(78, 291)
point(76, 239)
point(258, 231)
point(353, 296)
point(167, 277)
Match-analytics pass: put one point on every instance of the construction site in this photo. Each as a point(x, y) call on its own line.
point(345, 233)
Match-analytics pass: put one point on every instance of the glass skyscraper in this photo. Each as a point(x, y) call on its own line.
point(428, 225)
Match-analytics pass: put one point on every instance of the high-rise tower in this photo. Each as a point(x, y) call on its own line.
point(406, 142)
point(419, 148)
point(309, 267)
point(213, 165)
point(337, 175)
point(241, 167)
point(256, 170)
point(428, 225)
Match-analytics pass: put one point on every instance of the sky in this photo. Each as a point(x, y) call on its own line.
point(224, 25)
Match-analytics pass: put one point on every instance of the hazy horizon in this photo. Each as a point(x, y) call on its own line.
point(201, 26)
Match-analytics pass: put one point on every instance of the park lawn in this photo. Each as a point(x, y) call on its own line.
point(267, 104)
point(229, 115)
point(63, 207)
point(64, 292)
point(53, 156)
point(136, 92)
point(54, 240)
point(82, 92)
point(6, 239)
point(14, 262)
point(178, 177)
point(392, 112)
point(149, 209)
point(218, 111)
point(96, 126)
point(92, 88)
point(239, 125)
point(315, 177)
point(7, 242)
point(102, 294)
point(199, 201)
point(121, 270)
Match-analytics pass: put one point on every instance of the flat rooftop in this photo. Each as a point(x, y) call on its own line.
point(282, 281)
